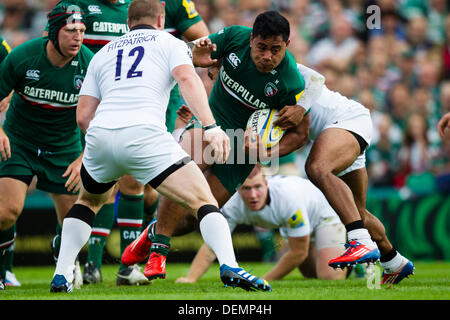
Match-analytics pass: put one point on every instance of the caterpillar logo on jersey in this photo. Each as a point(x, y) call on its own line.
point(270, 90)
point(296, 221)
point(234, 60)
point(190, 8)
point(32, 74)
point(78, 81)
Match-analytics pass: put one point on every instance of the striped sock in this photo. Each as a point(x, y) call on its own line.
point(103, 223)
point(130, 213)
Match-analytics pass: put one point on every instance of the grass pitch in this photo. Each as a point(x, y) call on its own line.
point(431, 281)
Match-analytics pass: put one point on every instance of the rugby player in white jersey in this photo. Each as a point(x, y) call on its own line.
point(303, 216)
point(122, 110)
point(342, 130)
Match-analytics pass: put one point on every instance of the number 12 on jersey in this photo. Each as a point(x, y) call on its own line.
point(132, 73)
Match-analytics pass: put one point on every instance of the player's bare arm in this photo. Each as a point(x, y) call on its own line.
point(196, 31)
point(192, 89)
point(290, 116)
point(4, 104)
point(73, 183)
point(201, 53)
point(296, 254)
point(201, 263)
point(87, 106)
point(5, 148)
point(293, 139)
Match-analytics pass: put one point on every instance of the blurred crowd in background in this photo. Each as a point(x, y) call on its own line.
point(393, 56)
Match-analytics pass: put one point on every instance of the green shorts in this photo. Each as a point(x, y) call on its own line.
point(48, 167)
point(231, 174)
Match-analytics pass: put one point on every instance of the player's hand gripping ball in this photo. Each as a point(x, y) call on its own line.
point(262, 123)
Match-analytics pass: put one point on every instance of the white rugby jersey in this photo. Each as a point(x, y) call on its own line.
point(327, 107)
point(295, 206)
point(132, 77)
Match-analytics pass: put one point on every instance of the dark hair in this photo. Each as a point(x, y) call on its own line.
point(271, 24)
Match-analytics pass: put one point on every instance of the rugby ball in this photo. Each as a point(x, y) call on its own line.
point(262, 123)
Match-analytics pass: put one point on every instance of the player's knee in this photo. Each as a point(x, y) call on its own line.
point(8, 217)
point(315, 170)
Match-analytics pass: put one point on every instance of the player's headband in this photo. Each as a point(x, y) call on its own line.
point(60, 16)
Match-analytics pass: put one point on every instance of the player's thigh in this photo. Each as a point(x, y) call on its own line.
point(334, 150)
point(12, 199)
point(188, 187)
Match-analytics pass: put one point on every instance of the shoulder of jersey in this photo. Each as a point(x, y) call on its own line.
point(261, 121)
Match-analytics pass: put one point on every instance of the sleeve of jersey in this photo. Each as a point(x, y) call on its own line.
point(314, 83)
point(295, 86)
point(186, 16)
point(297, 224)
point(90, 86)
point(179, 54)
point(9, 76)
point(4, 49)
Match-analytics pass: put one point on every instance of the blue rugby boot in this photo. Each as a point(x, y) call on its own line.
point(404, 271)
point(238, 277)
point(60, 284)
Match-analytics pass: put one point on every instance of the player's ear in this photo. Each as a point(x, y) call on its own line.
point(288, 42)
point(160, 22)
point(251, 39)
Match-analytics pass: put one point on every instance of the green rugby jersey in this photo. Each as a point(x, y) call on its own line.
point(180, 16)
point(105, 21)
point(241, 88)
point(4, 49)
point(42, 111)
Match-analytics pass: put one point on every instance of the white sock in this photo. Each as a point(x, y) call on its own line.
point(394, 264)
point(216, 234)
point(75, 234)
point(361, 235)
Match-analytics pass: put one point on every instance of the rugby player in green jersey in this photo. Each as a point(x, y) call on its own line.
point(257, 72)
point(40, 136)
point(7, 256)
point(4, 50)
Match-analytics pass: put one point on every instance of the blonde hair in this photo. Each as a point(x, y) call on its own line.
point(144, 9)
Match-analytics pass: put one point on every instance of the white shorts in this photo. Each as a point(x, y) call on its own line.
point(330, 233)
point(140, 151)
point(360, 123)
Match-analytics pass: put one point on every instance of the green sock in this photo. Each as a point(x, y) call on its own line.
point(6, 241)
point(103, 223)
point(149, 213)
point(9, 258)
point(130, 212)
point(160, 244)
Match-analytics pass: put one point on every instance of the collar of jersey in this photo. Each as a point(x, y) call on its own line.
point(142, 26)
